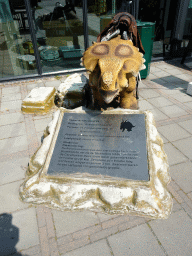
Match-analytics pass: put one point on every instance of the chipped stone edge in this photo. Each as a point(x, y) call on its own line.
point(109, 195)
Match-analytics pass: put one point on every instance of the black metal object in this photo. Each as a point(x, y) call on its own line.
point(85, 24)
point(33, 36)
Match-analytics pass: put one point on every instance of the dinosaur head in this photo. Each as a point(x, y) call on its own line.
point(109, 62)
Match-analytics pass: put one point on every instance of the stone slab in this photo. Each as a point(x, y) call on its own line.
point(109, 145)
point(100, 248)
point(13, 170)
point(184, 146)
point(12, 118)
point(40, 99)
point(175, 233)
point(26, 222)
point(70, 222)
point(173, 132)
point(9, 198)
point(174, 155)
point(181, 173)
point(99, 193)
point(135, 241)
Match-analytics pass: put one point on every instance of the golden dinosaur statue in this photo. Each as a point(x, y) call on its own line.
point(113, 67)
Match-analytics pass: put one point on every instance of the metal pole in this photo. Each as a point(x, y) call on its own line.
point(85, 24)
point(113, 6)
point(33, 36)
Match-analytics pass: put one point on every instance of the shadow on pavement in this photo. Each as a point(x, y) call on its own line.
point(9, 236)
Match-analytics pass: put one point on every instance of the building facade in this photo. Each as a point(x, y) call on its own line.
point(43, 37)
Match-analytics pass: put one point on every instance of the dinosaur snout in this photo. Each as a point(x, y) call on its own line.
point(108, 96)
point(107, 78)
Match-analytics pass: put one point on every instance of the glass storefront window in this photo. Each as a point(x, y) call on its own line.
point(59, 34)
point(16, 50)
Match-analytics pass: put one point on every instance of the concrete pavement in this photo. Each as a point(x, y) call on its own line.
point(38, 230)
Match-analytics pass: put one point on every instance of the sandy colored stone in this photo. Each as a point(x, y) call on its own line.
point(40, 99)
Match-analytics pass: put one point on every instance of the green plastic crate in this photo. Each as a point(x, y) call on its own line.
point(146, 31)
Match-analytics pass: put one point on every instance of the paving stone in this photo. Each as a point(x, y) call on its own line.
point(174, 79)
point(173, 111)
point(44, 242)
point(32, 86)
point(26, 222)
point(173, 132)
point(175, 71)
point(176, 206)
point(158, 115)
point(9, 198)
point(33, 251)
point(173, 154)
point(154, 69)
point(162, 137)
point(70, 222)
point(185, 77)
point(12, 130)
point(10, 90)
point(63, 249)
point(11, 97)
point(183, 97)
point(11, 105)
point(174, 233)
point(171, 90)
point(55, 83)
point(151, 76)
point(12, 118)
point(12, 145)
point(149, 93)
point(188, 104)
point(160, 102)
point(136, 241)
point(145, 105)
point(104, 217)
point(41, 124)
point(86, 232)
point(187, 125)
point(161, 74)
point(100, 248)
point(185, 146)
point(13, 170)
point(159, 81)
point(104, 233)
point(181, 173)
point(115, 221)
point(190, 195)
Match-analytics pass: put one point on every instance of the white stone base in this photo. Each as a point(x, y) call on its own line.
point(111, 195)
point(189, 89)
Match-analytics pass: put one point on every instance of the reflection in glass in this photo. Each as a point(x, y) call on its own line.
point(16, 50)
point(60, 34)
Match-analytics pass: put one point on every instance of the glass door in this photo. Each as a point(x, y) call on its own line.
point(59, 33)
point(16, 49)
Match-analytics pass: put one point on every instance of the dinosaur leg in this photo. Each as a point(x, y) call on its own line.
point(128, 95)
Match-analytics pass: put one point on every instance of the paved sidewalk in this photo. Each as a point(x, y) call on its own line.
point(37, 230)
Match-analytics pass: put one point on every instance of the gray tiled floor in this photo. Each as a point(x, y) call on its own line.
point(100, 248)
point(173, 132)
point(181, 173)
point(69, 222)
point(175, 233)
point(137, 241)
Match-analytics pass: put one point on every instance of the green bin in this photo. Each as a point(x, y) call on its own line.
point(146, 31)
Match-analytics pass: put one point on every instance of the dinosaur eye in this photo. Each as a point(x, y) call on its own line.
point(123, 51)
point(101, 49)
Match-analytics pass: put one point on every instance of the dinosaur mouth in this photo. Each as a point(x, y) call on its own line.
point(108, 96)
